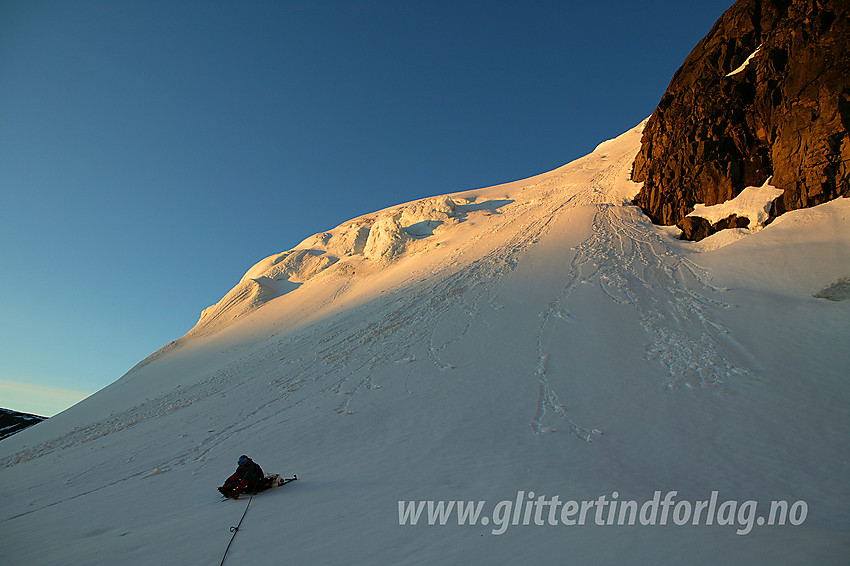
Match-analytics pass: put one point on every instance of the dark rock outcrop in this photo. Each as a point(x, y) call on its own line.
point(12, 422)
point(786, 114)
point(838, 291)
point(696, 228)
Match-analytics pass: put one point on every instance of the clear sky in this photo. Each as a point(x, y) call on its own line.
point(152, 151)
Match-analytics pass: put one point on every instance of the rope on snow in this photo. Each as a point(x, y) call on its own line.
point(235, 529)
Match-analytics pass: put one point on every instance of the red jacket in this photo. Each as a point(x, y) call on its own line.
point(250, 471)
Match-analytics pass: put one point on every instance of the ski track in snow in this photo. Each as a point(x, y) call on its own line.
point(634, 266)
point(623, 256)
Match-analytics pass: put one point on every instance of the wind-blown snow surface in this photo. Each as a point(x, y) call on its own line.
point(540, 336)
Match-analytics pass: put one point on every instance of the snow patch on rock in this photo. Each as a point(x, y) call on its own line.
point(745, 63)
point(754, 203)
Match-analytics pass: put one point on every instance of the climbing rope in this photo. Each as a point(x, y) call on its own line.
point(235, 529)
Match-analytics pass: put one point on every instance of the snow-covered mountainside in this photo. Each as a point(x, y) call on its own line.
point(539, 336)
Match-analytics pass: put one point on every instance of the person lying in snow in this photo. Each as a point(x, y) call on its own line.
point(248, 477)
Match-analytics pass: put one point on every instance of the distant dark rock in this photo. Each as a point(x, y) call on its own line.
point(838, 291)
point(696, 228)
point(786, 114)
point(732, 221)
point(12, 422)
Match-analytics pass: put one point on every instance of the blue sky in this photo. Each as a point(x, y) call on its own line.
point(151, 152)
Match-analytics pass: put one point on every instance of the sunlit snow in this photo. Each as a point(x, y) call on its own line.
point(538, 336)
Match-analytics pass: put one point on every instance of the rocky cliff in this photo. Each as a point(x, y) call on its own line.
point(765, 94)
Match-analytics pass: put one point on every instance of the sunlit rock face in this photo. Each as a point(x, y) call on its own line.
point(765, 94)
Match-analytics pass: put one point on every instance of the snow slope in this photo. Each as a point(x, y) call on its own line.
point(538, 336)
